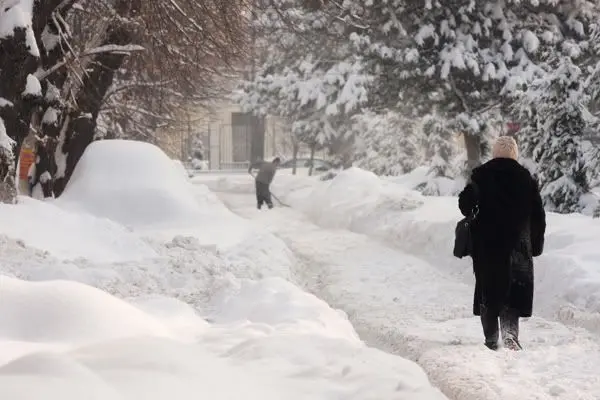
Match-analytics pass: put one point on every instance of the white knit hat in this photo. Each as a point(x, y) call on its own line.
point(505, 147)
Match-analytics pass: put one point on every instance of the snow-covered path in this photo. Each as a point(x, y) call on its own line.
point(406, 306)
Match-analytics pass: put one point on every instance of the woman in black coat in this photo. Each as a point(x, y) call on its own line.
point(507, 233)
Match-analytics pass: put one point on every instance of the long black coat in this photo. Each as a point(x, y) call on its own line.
point(507, 234)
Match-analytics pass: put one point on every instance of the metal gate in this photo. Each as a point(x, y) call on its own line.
point(234, 146)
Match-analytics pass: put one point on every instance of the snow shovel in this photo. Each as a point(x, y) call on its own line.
point(281, 203)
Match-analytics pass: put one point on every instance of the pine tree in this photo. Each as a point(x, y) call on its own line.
point(556, 106)
point(387, 143)
point(323, 64)
point(440, 148)
point(307, 72)
point(562, 167)
point(461, 57)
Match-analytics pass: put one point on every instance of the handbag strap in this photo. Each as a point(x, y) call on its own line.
point(476, 192)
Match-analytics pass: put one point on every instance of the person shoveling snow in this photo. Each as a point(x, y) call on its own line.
point(263, 179)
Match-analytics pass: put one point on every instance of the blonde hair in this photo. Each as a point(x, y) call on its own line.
point(505, 147)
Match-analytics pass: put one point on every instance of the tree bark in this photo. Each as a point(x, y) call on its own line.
point(19, 58)
point(311, 166)
point(96, 83)
point(296, 148)
point(54, 107)
point(8, 186)
point(473, 145)
point(343, 151)
point(16, 63)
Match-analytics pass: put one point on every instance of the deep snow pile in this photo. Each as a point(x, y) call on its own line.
point(69, 234)
point(420, 179)
point(183, 243)
point(191, 312)
point(420, 307)
point(64, 340)
point(136, 185)
point(567, 275)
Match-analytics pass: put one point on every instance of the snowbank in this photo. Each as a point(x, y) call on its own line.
point(567, 276)
point(109, 350)
point(77, 342)
point(132, 183)
point(178, 251)
point(66, 340)
point(419, 179)
point(353, 199)
point(422, 309)
point(136, 185)
point(67, 312)
point(181, 168)
point(273, 301)
point(182, 268)
point(69, 235)
point(244, 183)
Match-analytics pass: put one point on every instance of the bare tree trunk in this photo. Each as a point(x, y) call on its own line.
point(96, 83)
point(473, 145)
point(311, 166)
point(296, 148)
point(343, 151)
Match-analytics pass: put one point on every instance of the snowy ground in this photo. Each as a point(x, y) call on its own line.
point(382, 253)
point(138, 285)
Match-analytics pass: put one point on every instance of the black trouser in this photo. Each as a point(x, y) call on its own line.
point(263, 194)
point(509, 323)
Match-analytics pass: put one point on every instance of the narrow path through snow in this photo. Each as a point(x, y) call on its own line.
point(406, 306)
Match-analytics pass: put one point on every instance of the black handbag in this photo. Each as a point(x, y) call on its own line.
point(463, 237)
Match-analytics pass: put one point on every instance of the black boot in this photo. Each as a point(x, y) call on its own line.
point(513, 344)
point(489, 323)
point(492, 345)
point(509, 325)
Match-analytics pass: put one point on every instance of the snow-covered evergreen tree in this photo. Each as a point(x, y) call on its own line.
point(461, 56)
point(307, 72)
point(440, 146)
point(556, 107)
point(387, 144)
point(464, 59)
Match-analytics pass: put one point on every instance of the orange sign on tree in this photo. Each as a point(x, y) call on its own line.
point(27, 158)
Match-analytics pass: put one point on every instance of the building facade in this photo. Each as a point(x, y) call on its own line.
point(231, 138)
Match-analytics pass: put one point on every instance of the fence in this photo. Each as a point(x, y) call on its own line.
point(232, 147)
